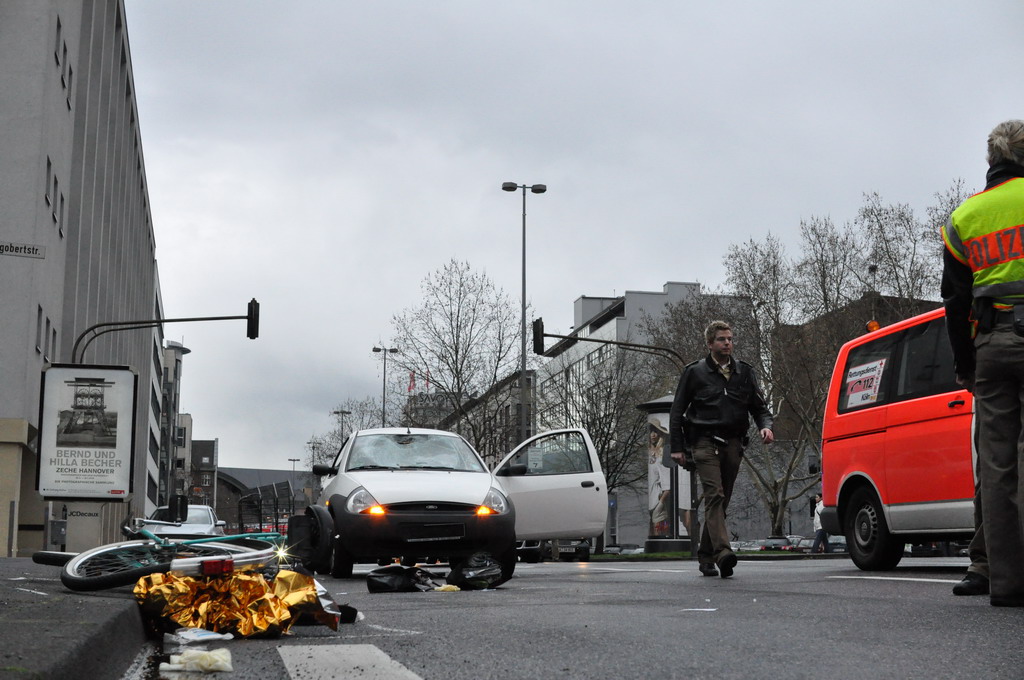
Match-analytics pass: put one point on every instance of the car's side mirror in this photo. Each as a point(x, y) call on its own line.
point(321, 470)
point(178, 508)
point(221, 523)
point(512, 470)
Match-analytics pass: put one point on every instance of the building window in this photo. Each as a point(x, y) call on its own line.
point(39, 329)
point(206, 479)
point(71, 78)
point(49, 179)
point(45, 338)
point(60, 218)
point(57, 43)
point(206, 460)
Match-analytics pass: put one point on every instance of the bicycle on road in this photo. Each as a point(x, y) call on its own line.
point(125, 562)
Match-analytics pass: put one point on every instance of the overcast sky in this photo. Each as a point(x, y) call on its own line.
point(324, 157)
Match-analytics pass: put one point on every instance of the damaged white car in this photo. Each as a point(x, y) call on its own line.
point(418, 493)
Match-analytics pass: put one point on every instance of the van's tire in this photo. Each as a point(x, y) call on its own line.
point(872, 547)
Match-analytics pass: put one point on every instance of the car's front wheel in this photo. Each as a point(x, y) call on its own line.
point(507, 560)
point(342, 561)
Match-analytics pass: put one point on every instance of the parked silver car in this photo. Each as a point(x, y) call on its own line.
point(201, 521)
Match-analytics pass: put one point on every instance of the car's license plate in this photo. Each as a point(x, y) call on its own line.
point(433, 532)
point(567, 548)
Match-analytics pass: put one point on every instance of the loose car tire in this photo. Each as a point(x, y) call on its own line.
point(322, 539)
point(871, 546)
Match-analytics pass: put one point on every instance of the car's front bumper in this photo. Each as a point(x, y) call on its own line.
point(421, 533)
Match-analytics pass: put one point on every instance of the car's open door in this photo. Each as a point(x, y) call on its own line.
point(556, 484)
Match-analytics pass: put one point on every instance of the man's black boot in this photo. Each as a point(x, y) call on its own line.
point(726, 563)
point(708, 569)
point(973, 584)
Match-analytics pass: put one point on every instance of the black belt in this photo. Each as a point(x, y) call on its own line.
point(1003, 316)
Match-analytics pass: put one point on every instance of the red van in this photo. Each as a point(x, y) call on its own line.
point(896, 453)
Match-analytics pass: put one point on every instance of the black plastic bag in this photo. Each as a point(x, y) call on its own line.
point(478, 572)
point(398, 579)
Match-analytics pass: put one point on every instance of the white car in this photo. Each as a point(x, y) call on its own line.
point(408, 493)
point(201, 521)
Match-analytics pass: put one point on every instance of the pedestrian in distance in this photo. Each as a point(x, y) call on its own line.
point(708, 425)
point(820, 535)
point(983, 294)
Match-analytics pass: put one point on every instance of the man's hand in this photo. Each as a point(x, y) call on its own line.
point(966, 381)
point(767, 436)
point(684, 458)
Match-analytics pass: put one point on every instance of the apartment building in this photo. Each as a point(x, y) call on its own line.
point(77, 246)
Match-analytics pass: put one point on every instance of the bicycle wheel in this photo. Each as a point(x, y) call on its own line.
point(122, 564)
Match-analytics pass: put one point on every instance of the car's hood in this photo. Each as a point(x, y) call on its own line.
point(404, 486)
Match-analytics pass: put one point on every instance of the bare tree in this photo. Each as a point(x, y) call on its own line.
point(599, 392)
point(883, 266)
point(465, 333)
point(358, 414)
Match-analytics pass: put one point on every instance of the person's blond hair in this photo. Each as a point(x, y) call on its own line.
point(1006, 143)
point(714, 328)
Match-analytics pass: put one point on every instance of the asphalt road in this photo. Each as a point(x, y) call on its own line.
point(775, 619)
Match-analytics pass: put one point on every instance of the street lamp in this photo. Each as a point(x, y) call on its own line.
point(294, 461)
point(342, 413)
point(536, 189)
point(383, 392)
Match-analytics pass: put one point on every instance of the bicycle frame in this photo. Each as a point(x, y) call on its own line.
point(195, 565)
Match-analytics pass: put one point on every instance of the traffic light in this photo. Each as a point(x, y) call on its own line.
point(252, 320)
point(538, 336)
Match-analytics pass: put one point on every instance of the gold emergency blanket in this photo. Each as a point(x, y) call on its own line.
point(243, 604)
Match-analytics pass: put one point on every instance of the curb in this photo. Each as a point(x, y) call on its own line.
point(52, 632)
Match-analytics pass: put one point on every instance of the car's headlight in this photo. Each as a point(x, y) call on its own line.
point(361, 502)
point(494, 503)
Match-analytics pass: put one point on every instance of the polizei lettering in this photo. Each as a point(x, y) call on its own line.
point(996, 248)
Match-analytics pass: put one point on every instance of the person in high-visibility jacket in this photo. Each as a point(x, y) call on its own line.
point(983, 293)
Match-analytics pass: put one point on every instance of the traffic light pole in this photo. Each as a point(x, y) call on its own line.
point(252, 327)
point(539, 335)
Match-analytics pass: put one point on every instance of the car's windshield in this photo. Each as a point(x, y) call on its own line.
point(195, 516)
point(412, 451)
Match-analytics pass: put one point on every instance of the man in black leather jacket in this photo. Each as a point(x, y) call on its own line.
point(711, 412)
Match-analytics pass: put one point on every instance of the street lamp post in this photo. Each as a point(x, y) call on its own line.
point(384, 388)
point(342, 413)
point(291, 488)
point(536, 189)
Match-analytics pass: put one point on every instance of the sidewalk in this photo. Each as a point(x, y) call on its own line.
point(49, 631)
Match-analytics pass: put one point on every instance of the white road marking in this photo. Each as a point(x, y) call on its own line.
point(899, 578)
point(326, 662)
point(699, 610)
point(34, 592)
point(393, 630)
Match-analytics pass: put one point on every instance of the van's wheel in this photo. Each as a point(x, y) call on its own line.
point(872, 547)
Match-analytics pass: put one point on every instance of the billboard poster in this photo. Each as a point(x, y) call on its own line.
point(660, 471)
point(86, 432)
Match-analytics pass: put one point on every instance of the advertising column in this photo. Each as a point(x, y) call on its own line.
point(86, 440)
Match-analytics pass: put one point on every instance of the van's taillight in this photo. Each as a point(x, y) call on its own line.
point(218, 567)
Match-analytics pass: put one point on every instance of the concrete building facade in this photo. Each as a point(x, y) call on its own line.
point(76, 237)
